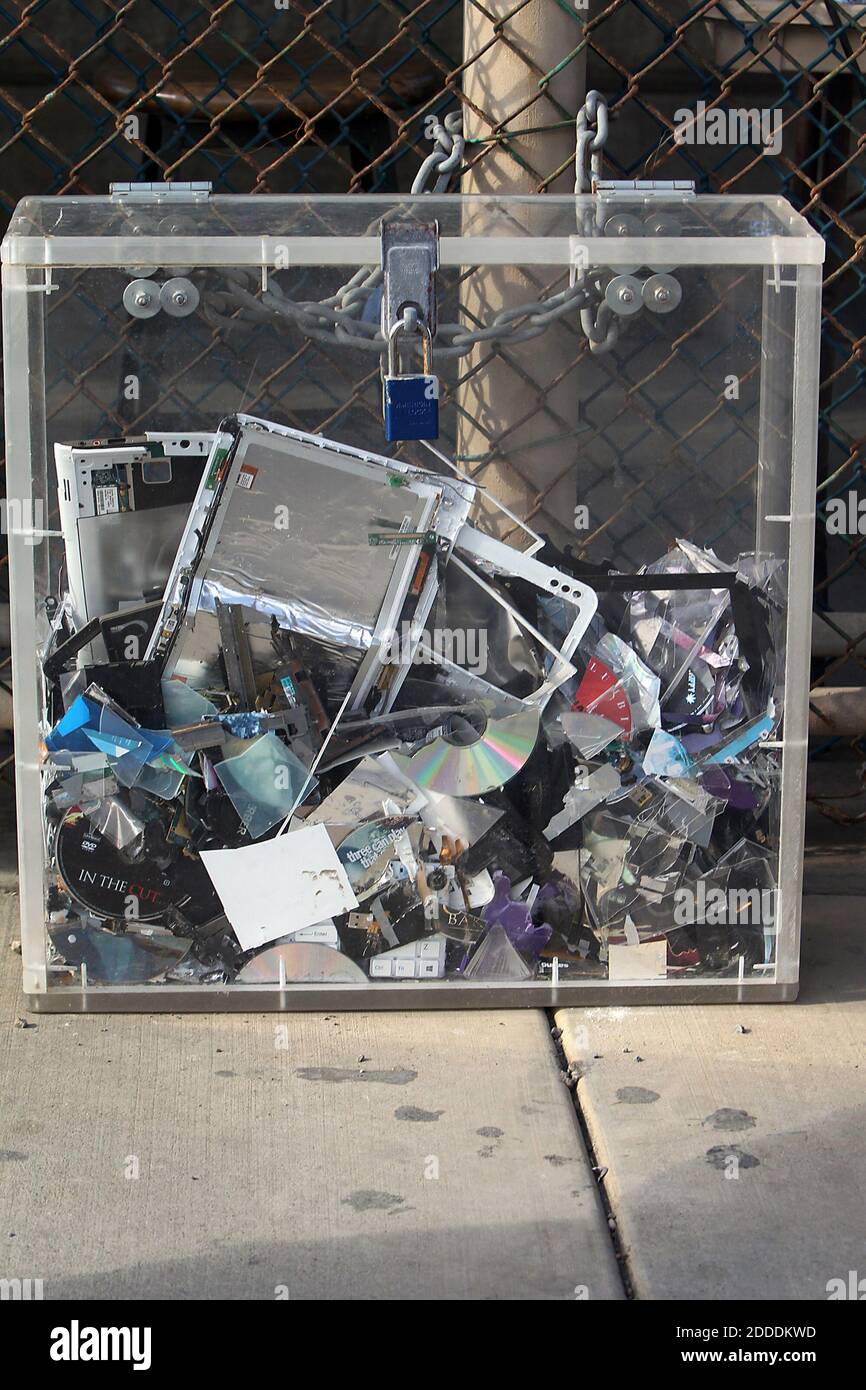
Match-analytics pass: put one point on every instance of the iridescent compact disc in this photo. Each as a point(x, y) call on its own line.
point(305, 963)
point(469, 761)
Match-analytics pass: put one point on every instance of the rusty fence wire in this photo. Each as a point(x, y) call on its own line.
point(291, 96)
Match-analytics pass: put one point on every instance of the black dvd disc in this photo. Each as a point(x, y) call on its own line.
point(100, 877)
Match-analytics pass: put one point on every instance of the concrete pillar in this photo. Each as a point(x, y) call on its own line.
point(511, 390)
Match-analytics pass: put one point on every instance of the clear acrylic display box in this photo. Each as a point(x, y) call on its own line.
point(517, 715)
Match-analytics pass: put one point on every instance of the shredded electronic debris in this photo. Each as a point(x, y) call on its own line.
point(278, 772)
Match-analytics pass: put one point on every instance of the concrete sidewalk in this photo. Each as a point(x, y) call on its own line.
point(735, 1137)
point(232, 1156)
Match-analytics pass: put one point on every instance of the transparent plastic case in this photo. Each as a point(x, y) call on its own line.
point(515, 716)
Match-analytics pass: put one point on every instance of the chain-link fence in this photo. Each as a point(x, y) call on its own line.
point(290, 96)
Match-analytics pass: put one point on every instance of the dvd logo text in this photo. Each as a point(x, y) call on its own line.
point(77, 1343)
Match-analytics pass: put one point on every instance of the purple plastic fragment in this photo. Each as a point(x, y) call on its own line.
point(740, 796)
point(516, 918)
point(695, 744)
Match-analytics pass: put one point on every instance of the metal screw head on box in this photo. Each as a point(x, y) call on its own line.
point(141, 299)
point(623, 294)
point(661, 293)
point(179, 297)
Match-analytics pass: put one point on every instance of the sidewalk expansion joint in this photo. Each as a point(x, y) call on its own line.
point(570, 1076)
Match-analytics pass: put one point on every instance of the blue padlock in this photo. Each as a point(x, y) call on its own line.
point(410, 403)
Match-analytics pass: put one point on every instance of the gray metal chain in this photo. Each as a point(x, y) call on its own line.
point(590, 137)
point(599, 323)
point(447, 156)
point(345, 316)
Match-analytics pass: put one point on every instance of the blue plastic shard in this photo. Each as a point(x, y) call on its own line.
point(69, 734)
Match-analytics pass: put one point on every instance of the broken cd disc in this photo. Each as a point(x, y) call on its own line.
point(101, 878)
point(366, 853)
point(601, 692)
point(131, 957)
point(469, 759)
point(305, 963)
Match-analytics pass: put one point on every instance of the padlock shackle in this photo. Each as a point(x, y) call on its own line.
point(426, 346)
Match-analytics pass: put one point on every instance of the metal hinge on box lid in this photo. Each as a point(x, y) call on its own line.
point(627, 292)
point(127, 192)
point(679, 190)
point(178, 297)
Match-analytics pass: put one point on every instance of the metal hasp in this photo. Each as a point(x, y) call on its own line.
point(410, 259)
point(628, 189)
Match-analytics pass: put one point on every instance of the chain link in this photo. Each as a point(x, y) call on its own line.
point(590, 137)
point(600, 325)
point(345, 316)
point(446, 157)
